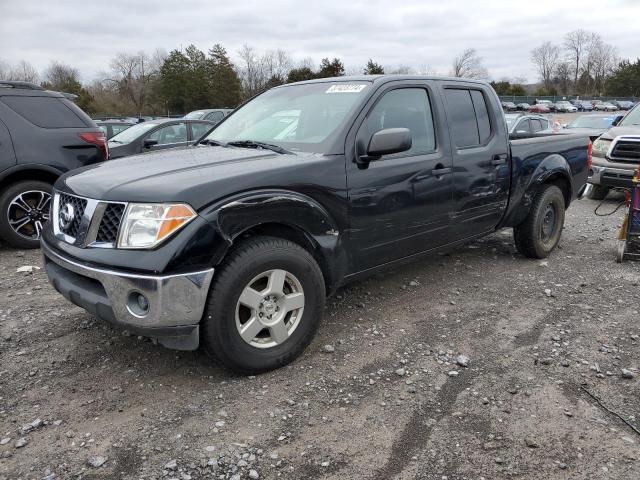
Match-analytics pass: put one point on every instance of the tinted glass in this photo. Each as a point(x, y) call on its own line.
point(404, 108)
point(45, 112)
point(170, 134)
point(214, 116)
point(536, 125)
point(119, 128)
point(462, 118)
point(133, 133)
point(523, 127)
point(199, 129)
point(482, 115)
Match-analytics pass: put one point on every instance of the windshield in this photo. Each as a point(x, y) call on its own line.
point(590, 121)
point(632, 118)
point(131, 133)
point(195, 115)
point(295, 117)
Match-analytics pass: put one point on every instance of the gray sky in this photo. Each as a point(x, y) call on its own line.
point(417, 33)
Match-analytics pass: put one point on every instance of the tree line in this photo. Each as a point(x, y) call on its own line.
point(584, 64)
point(160, 83)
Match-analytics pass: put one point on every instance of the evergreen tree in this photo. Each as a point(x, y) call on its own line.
point(373, 68)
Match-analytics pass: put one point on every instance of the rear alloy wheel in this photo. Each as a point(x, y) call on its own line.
point(264, 306)
point(24, 209)
point(540, 232)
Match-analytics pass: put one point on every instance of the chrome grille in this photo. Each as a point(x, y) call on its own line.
point(110, 223)
point(86, 222)
point(626, 150)
point(70, 213)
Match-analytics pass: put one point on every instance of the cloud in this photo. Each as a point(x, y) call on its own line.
point(417, 33)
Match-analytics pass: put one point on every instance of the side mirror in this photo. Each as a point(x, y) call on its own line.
point(385, 142)
point(148, 143)
point(617, 120)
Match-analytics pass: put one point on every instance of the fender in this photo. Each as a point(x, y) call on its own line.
point(23, 167)
point(525, 185)
point(258, 209)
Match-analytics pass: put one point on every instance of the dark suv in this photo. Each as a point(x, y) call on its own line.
point(43, 134)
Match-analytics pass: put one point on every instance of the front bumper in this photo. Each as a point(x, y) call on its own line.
point(175, 302)
point(611, 174)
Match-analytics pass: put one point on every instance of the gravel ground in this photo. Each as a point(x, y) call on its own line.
point(468, 365)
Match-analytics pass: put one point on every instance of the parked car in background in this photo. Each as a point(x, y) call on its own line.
point(42, 135)
point(114, 127)
point(585, 106)
point(539, 108)
point(523, 106)
point(565, 107)
point(519, 125)
point(157, 135)
point(605, 106)
point(623, 104)
point(234, 243)
point(592, 125)
point(215, 115)
point(509, 106)
point(616, 155)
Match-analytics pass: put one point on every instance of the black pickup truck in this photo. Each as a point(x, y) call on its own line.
point(234, 243)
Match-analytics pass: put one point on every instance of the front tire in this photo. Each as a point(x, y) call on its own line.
point(24, 209)
point(598, 192)
point(540, 232)
point(264, 307)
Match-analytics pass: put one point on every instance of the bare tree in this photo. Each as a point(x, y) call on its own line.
point(60, 76)
point(546, 59)
point(603, 58)
point(259, 71)
point(577, 43)
point(468, 64)
point(132, 75)
point(400, 70)
point(22, 72)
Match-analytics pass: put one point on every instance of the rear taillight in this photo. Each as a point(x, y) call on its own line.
point(99, 140)
point(589, 155)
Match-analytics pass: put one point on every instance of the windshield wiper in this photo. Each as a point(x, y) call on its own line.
point(207, 141)
point(255, 144)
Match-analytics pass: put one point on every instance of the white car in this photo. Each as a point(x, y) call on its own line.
point(606, 106)
point(565, 107)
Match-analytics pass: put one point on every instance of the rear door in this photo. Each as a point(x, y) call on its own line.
point(7, 155)
point(480, 158)
point(400, 204)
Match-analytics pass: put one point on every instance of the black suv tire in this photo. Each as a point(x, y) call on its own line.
point(221, 323)
point(540, 232)
point(36, 195)
point(598, 192)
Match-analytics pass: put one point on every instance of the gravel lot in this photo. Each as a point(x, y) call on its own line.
point(386, 399)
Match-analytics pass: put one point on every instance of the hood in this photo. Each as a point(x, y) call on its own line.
point(617, 131)
point(196, 175)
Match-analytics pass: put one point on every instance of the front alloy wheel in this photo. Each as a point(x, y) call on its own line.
point(270, 308)
point(264, 306)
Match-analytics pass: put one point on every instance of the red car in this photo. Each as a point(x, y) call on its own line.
point(539, 108)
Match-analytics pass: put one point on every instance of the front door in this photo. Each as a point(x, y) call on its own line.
point(481, 162)
point(168, 136)
point(400, 204)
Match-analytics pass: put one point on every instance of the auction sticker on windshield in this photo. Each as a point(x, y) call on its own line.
point(346, 88)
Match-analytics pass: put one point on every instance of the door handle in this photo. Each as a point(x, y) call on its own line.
point(499, 159)
point(438, 172)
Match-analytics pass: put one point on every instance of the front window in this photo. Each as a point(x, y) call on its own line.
point(591, 121)
point(295, 117)
point(632, 118)
point(132, 133)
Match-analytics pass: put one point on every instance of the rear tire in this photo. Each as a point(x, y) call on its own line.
point(16, 227)
point(540, 232)
point(598, 192)
point(247, 272)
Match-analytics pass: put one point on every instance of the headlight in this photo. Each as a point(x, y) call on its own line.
point(146, 225)
point(601, 147)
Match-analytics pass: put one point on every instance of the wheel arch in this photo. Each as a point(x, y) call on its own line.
point(35, 172)
point(283, 214)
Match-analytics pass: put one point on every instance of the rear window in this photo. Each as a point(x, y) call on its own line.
point(469, 117)
point(47, 112)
